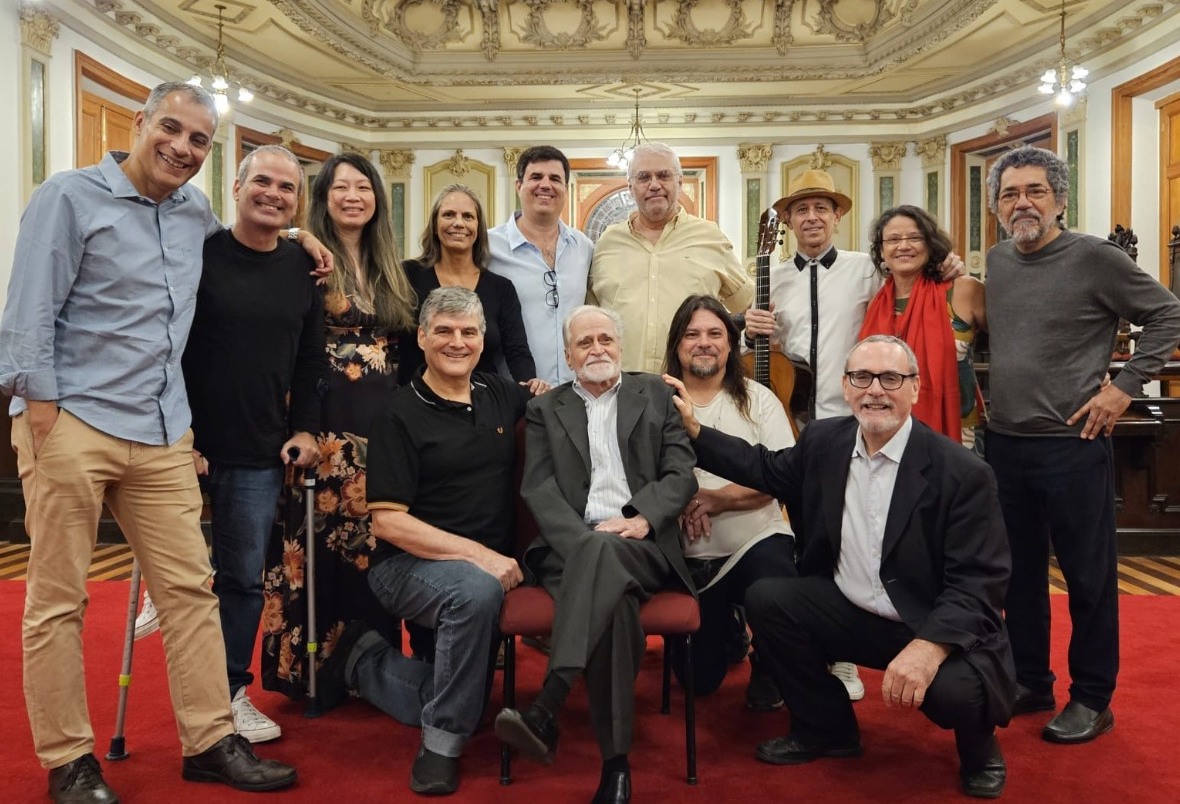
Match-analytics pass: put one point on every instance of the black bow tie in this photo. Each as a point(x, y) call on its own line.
point(827, 260)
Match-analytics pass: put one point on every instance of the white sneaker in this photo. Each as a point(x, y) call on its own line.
point(847, 673)
point(250, 723)
point(148, 621)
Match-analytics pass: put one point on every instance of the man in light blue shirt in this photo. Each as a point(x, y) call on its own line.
point(104, 282)
point(545, 259)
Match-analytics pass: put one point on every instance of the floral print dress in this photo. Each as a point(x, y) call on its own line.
point(363, 375)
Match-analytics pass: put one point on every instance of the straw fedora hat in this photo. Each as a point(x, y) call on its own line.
point(812, 183)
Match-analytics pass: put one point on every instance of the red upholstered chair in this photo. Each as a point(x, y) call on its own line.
point(528, 612)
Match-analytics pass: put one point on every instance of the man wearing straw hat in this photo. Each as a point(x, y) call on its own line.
point(818, 298)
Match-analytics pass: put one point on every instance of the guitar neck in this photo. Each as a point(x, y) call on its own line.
point(762, 302)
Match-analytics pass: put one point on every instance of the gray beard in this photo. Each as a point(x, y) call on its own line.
point(704, 372)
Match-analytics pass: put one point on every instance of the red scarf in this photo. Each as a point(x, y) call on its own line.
point(925, 326)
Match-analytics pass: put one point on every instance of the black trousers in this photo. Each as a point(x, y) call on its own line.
point(1060, 492)
point(596, 630)
point(773, 557)
point(803, 624)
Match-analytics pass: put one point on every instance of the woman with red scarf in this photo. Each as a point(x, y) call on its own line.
point(937, 319)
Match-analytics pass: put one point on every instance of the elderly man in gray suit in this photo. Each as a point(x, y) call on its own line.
point(608, 469)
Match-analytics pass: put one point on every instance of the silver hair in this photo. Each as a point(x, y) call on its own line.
point(451, 300)
point(1056, 172)
point(582, 310)
point(193, 92)
point(910, 357)
point(652, 148)
point(248, 159)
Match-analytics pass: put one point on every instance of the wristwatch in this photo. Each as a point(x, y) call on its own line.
point(293, 233)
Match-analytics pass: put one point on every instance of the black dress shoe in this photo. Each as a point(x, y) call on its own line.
point(331, 681)
point(793, 751)
point(615, 788)
point(533, 732)
point(80, 782)
point(232, 761)
point(989, 780)
point(1078, 724)
point(433, 774)
point(1028, 701)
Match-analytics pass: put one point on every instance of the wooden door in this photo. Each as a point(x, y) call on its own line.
point(104, 126)
point(1169, 179)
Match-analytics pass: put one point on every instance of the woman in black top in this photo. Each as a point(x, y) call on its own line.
point(455, 252)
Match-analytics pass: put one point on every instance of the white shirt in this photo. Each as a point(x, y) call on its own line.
point(515, 258)
point(609, 491)
point(735, 532)
point(843, 295)
point(867, 496)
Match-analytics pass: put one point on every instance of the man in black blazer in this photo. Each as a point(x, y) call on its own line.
point(608, 470)
point(903, 566)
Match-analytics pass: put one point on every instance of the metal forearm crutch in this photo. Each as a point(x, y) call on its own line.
point(313, 701)
point(118, 748)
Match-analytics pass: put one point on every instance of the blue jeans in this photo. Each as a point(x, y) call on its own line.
point(462, 604)
point(243, 502)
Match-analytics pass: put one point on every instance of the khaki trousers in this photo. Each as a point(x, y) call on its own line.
point(152, 492)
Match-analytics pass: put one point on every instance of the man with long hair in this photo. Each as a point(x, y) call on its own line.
point(733, 535)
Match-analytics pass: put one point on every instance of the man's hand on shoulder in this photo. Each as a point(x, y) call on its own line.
point(952, 267)
point(42, 416)
point(911, 672)
point(629, 527)
point(683, 403)
point(536, 386)
point(318, 251)
point(503, 568)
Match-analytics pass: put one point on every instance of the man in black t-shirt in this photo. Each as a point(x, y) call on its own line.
point(258, 334)
point(440, 491)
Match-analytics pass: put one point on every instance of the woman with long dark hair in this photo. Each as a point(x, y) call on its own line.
point(368, 300)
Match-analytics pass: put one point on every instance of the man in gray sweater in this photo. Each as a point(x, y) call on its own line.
point(1054, 299)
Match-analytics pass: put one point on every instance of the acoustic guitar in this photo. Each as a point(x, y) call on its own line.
point(789, 378)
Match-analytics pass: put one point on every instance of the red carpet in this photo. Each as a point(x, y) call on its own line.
point(356, 754)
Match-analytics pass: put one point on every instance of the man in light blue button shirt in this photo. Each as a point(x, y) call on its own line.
point(545, 259)
point(104, 281)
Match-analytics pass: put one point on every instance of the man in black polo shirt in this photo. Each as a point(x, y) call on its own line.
point(440, 490)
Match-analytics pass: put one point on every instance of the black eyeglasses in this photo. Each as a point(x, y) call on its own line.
point(890, 380)
point(551, 297)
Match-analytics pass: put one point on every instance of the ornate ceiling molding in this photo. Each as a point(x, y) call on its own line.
point(769, 109)
point(828, 21)
point(684, 28)
point(536, 31)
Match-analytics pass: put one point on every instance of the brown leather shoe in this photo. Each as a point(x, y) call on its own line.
point(80, 782)
point(232, 761)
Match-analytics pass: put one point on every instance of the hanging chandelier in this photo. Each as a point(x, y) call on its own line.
point(219, 85)
point(1063, 82)
point(620, 157)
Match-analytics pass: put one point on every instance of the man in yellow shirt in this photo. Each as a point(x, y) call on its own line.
point(644, 267)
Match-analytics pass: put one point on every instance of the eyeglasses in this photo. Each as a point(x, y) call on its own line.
point(551, 296)
point(662, 176)
point(890, 380)
point(897, 240)
point(1034, 192)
